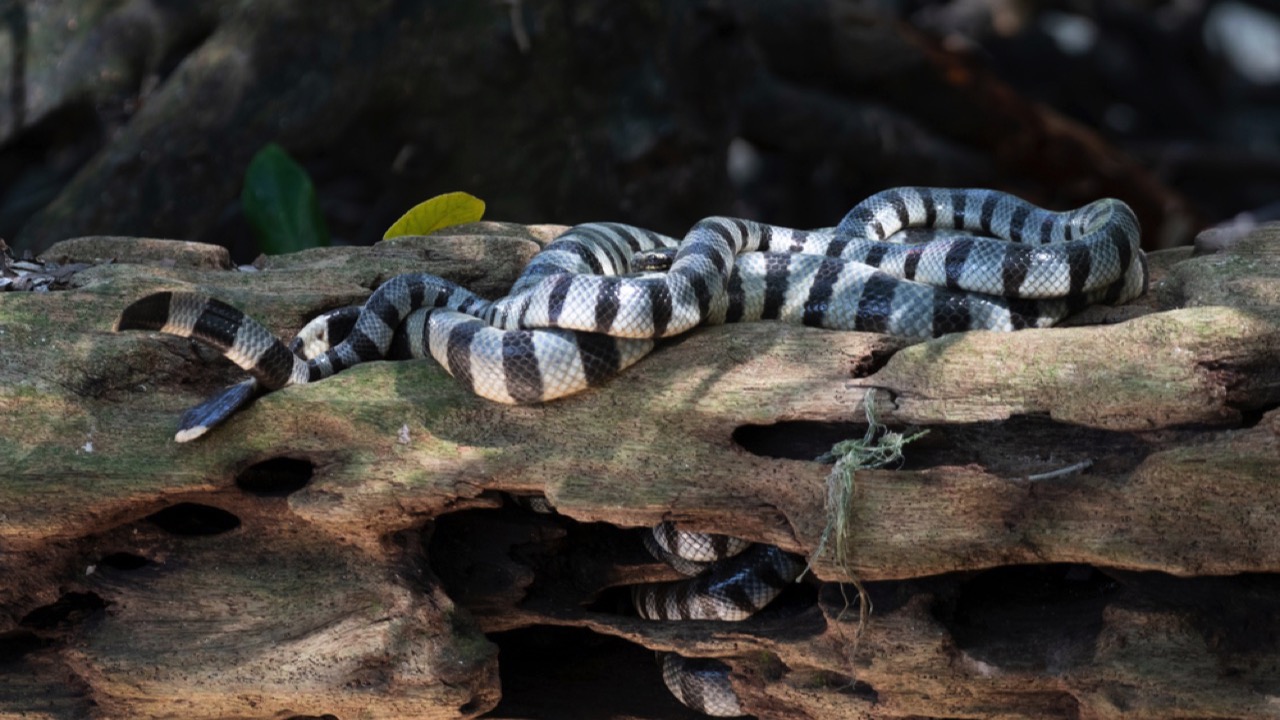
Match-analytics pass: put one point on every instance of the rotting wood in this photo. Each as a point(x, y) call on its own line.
point(328, 598)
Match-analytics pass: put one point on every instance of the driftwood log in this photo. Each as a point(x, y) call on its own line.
point(347, 548)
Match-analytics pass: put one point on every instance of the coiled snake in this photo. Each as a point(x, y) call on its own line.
point(582, 311)
point(578, 315)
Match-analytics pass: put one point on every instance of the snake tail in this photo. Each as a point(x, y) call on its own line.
point(239, 337)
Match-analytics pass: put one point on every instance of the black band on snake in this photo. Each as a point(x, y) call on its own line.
point(579, 314)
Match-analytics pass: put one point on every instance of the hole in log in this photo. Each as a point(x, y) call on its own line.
point(1235, 614)
point(16, 644)
point(870, 364)
point(614, 601)
point(576, 674)
point(1038, 618)
point(1252, 416)
point(1243, 622)
point(124, 561)
point(1016, 448)
point(276, 477)
point(798, 440)
point(489, 561)
point(71, 608)
point(194, 519)
point(886, 595)
point(807, 440)
point(1251, 387)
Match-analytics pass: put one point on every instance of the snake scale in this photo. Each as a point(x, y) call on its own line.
point(586, 307)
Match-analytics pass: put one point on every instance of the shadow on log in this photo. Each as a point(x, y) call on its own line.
point(348, 547)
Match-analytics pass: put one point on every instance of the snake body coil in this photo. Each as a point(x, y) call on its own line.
point(732, 580)
point(578, 314)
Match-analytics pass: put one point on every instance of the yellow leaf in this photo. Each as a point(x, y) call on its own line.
point(441, 211)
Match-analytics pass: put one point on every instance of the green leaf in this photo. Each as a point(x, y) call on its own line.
point(441, 211)
point(280, 203)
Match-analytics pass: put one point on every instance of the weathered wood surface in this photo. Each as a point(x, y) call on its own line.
point(360, 543)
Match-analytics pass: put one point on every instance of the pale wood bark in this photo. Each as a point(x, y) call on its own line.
point(363, 544)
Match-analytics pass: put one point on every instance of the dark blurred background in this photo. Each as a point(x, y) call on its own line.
point(138, 117)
